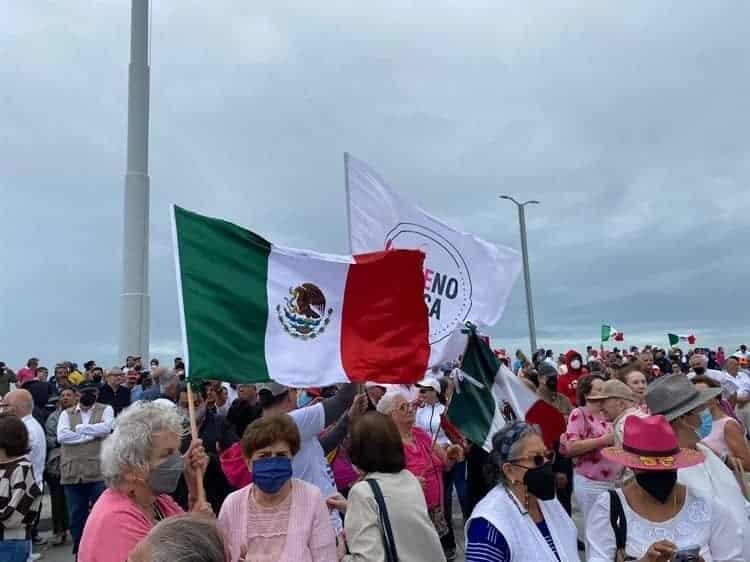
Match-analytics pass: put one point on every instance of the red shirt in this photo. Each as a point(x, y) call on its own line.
point(567, 385)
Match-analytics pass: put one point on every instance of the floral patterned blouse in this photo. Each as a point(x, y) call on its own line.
point(584, 425)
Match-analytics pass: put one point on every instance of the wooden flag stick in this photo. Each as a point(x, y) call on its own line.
point(194, 435)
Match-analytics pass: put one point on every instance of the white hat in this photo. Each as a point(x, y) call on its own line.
point(429, 382)
point(374, 384)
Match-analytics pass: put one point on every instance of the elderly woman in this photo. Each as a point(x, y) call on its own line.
point(183, 538)
point(659, 516)
point(277, 518)
point(424, 458)
point(520, 519)
point(141, 464)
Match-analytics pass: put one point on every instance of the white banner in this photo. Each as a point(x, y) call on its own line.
point(466, 278)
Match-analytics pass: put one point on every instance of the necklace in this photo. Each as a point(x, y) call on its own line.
point(522, 509)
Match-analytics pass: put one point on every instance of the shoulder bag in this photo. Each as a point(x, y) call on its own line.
point(389, 545)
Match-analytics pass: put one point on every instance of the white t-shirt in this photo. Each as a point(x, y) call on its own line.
point(310, 463)
point(702, 521)
point(428, 418)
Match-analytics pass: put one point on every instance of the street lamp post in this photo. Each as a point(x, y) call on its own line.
point(526, 274)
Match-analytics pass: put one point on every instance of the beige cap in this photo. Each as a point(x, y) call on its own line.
point(613, 389)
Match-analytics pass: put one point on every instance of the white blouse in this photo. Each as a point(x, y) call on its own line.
point(713, 479)
point(702, 521)
point(428, 419)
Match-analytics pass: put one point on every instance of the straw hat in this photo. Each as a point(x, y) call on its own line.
point(650, 444)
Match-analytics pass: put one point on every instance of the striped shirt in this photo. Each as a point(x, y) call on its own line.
point(486, 544)
point(20, 496)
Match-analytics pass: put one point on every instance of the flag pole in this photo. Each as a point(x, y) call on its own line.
point(194, 435)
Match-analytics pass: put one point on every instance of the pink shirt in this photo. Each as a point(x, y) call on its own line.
point(715, 440)
point(116, 525)
point(309, 534)
point(423, 463)
point(583, 425)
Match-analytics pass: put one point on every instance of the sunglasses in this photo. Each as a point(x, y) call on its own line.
point(537, 460)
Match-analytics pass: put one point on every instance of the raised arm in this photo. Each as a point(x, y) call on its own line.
point(335, 406)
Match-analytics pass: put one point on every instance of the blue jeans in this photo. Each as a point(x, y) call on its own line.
point(80, 499)
point(15, 550)
point(456, 477)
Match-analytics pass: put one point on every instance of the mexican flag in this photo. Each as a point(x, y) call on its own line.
point(675, 339)
point(252, 311)
point(609, 333)
point(488, 395)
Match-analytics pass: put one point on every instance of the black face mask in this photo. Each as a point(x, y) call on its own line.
point(97, 378)
point(551, 383)
point(540, 481)
point(87, 399)
point(699, 370)
point(658, 484)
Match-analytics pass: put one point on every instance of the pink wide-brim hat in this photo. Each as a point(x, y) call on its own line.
point(650, 444)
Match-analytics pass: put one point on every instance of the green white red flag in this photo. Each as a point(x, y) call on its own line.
point(675, 339)
point(253, 311)
point(488, 395)
point(610, 333)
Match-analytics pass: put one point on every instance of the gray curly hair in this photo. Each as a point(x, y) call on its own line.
point(130, 443)
point(388, 402)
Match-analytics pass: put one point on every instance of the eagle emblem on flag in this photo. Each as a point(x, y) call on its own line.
point(304, 314)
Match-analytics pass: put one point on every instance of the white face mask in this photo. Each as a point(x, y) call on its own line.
point(575, 364)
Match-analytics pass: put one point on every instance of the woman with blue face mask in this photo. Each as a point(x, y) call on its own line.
point(277, 517)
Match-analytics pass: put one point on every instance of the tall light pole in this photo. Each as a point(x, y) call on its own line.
point(526, 274)
point(134, 301)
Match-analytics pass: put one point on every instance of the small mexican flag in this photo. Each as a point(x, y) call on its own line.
point(674, 339)
point(609, 333)
point(252, 311)
point(488, 395)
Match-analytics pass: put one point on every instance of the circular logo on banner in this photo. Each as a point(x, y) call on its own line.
point(447, 283)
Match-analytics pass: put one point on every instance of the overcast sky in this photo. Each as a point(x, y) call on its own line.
point(628, 120)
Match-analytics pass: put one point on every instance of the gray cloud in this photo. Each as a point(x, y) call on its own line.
point(628, 122)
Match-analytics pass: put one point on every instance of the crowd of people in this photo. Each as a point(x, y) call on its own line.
point(651, 465)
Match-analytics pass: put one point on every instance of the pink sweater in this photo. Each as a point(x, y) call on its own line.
point(116, 525)
point(310, 536)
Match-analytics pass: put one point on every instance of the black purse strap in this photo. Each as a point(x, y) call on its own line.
point(619, 524)
point(385, 523)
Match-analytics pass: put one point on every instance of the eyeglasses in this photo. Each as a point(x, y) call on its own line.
point(406, 407)
point(537, 460)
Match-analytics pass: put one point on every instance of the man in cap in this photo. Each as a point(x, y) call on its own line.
point(617, 402)
point(375, 392)
point(114, 393)
point(80, 432)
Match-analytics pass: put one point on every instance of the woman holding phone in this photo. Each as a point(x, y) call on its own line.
point(655, 518)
